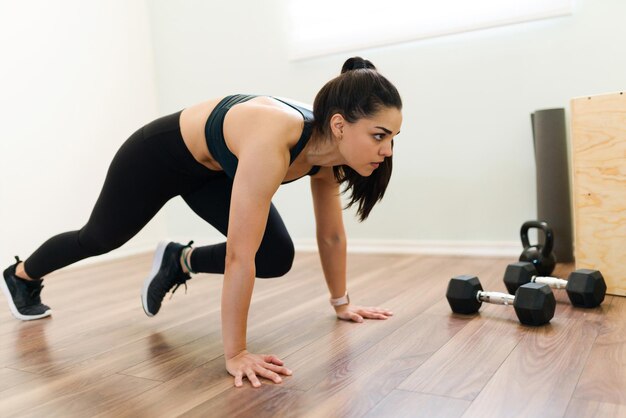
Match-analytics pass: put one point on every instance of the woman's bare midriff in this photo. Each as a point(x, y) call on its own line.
point(192, 124)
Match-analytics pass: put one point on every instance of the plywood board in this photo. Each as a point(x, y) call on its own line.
point(599, 186)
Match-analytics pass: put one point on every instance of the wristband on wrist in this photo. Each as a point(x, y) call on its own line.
point(344, 300)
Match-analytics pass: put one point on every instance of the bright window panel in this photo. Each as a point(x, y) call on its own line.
point(321, 27)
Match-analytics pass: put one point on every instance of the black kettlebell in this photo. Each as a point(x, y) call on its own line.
point(540, 255)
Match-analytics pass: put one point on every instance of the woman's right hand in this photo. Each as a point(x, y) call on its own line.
point(250, 365)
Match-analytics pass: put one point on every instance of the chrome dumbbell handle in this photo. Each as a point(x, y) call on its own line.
point(495, 297)
point(553, 282)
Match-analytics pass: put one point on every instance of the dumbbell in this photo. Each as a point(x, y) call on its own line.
point(584, 287)
point(534, 303)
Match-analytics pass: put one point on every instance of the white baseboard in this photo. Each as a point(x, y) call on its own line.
point(468, 248)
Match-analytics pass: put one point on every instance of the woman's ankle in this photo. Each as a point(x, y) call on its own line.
point(20, 272)
point(185, 259)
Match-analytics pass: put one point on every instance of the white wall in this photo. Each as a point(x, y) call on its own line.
point(76, 79)
point(463, 165)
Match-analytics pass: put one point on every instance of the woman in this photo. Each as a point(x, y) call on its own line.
point(227, 157)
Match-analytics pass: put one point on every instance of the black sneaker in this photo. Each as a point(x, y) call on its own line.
point(23, 295)
point(166, 273)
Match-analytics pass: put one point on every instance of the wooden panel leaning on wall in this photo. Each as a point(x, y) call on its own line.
point(599, 185)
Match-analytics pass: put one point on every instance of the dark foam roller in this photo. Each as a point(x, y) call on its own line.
point(553, 189)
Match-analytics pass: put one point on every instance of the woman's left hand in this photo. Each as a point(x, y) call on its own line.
point(357, 313)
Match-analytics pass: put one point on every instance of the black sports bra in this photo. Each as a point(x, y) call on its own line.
point(214, 132)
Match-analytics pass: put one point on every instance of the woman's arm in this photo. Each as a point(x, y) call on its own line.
point(263, 163)
point(253, 187)
point(259, 173)
point(330, 232)
point(332, 243)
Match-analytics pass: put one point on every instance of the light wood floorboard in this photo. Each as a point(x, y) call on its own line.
point(99, 355)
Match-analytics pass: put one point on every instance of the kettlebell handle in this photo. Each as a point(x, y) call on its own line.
point(547, 247)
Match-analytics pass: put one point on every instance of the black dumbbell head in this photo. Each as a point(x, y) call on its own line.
point(518, 274)
point(534, 304)
point(461, 294)
point(586, 288)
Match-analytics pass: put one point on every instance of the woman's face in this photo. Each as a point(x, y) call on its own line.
point(365, 143)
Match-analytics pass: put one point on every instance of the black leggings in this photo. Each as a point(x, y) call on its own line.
point(153, 166)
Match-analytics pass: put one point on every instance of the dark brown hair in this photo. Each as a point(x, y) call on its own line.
point(360, 91)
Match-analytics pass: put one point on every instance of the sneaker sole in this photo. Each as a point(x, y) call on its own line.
point(14, 311)
point(156, 263)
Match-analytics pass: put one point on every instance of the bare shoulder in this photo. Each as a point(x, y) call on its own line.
point(262, 120)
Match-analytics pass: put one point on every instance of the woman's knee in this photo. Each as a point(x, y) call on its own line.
point(275, 258)
point(97, 244)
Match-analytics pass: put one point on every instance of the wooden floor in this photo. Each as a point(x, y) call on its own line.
point(99, 355)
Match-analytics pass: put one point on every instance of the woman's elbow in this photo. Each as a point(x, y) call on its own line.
point(332, 240)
